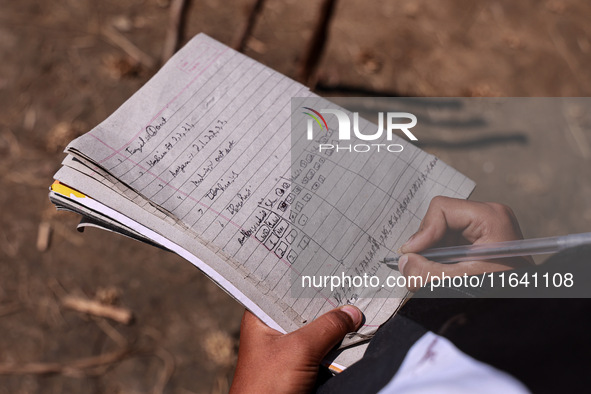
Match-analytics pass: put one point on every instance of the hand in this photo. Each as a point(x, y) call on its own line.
point(271, 362)
point(452, 222)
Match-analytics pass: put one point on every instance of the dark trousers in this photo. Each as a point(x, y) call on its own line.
point(540, 335)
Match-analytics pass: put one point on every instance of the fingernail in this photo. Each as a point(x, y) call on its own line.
point(407, 244)
point(402, 262)
point(354, 312)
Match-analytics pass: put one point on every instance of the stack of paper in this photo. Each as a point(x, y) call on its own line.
point(199, 162)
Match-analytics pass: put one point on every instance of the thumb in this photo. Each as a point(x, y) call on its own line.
point(419, 271)
point(328, 330)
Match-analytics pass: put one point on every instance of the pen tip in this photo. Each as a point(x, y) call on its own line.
point(391, 262)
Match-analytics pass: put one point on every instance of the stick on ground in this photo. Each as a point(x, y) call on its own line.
point(72, 368)
point(174, 30)
point(121, 315)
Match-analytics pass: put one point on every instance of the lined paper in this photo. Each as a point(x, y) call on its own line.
point(202, 155)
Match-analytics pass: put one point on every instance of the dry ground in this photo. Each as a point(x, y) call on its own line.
point(64, 68)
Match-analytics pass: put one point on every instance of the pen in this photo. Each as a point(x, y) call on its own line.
point(498, 250)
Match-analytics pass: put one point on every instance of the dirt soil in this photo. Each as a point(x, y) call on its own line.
point(67, 64)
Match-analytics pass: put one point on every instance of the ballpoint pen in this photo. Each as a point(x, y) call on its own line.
point(498, 250)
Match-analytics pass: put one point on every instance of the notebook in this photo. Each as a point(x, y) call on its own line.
point(234, 167)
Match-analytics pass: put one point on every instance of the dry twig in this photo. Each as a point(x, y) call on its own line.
point(167, 371)
point(174, 31)
point(121, 315)
point(43, 236)
point(244, 33)
point(75, 367)
point(10, 308)
point(311, 59)
point(128, 47)
point(111, 332)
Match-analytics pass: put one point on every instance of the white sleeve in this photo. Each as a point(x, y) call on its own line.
point(434, 365)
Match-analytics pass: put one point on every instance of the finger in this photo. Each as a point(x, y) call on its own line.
point(445, 214)
point(419, 271)
point(328, 330)
point(416, 265)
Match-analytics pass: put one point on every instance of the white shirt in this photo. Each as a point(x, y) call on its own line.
point(434, 365)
